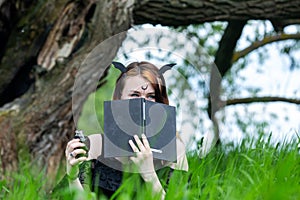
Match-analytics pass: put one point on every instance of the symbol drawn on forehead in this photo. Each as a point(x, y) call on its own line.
point(144, 87)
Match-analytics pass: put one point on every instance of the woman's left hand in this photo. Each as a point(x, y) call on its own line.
point(144, 158)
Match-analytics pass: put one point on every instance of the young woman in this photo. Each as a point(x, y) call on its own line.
point(137, 80)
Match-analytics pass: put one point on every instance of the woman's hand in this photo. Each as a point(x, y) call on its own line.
point(74, 148)
point(144, 162)
point(144, 158)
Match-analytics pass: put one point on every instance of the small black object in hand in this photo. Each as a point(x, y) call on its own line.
point(79, 135)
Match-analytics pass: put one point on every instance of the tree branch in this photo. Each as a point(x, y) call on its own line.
point(186, 12)
point(267, 40)
point(223, 62)
point(227, 45)
point(249, 100)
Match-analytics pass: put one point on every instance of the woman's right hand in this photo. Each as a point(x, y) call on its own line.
point(74, 148)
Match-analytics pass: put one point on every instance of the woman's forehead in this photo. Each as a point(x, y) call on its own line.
point(136, 83)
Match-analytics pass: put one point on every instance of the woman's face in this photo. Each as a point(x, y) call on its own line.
point(138, 87)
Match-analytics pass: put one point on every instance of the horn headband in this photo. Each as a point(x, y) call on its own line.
point(120, 66)
point(161, 71)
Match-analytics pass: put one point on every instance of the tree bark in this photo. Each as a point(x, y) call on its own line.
point(42, 118)
point(223, 63)
point(186, 12)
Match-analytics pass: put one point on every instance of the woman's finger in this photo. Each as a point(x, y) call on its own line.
point(145, 141)
point(72, 154)
point(133, 147)
point(139, 143)
point(76, 161)
point(73, 160)
point(71, 142)
point(72, 145)
point(77, 152)
point(134, 159)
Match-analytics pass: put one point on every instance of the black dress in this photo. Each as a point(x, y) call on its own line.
point(97, 176)
point(104, 180)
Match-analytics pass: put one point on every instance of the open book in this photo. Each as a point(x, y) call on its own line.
point(125, 118)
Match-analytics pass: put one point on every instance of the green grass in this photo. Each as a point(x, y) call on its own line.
point(262, 171)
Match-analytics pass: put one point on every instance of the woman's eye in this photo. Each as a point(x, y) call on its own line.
point(151, 96)
point(134, 95)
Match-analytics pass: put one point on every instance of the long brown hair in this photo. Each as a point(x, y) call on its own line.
point(149, 72)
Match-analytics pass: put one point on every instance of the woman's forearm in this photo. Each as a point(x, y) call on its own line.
point(153, 179)
point(75, 184)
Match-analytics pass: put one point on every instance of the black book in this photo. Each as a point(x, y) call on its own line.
point(125, 118)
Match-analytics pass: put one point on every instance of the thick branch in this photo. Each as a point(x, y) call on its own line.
point(224, 55)
point(186, 12)
point(260, 100)
point(223, 62)
point(267, 40)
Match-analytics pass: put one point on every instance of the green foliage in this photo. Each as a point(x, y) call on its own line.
point(252, 170)
point(259, 172)
point(28, 182)
point(91, 119)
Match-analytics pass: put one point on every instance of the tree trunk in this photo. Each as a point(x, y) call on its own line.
point(42, 118)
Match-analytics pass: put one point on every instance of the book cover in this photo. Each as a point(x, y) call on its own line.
point(125, 118)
